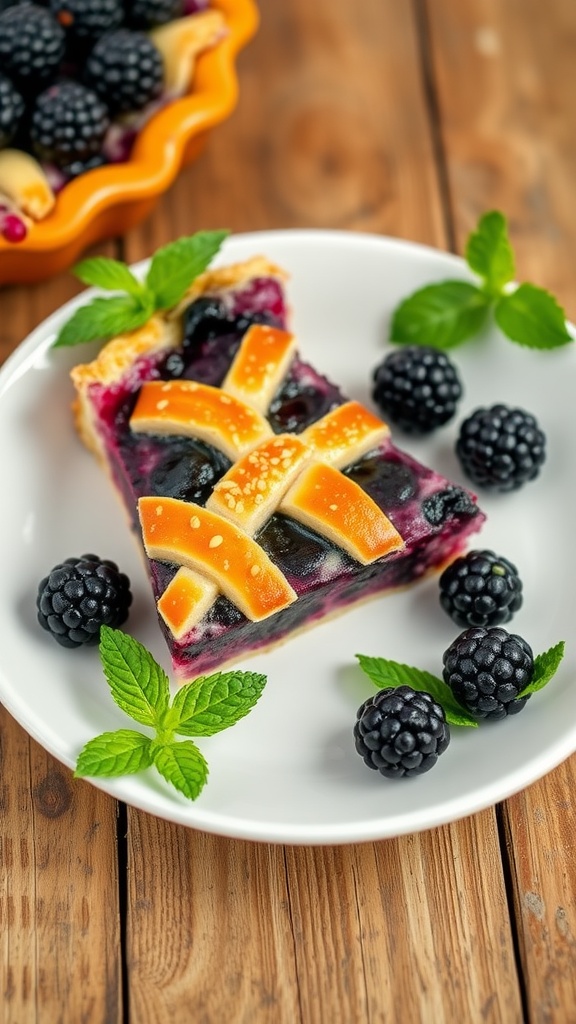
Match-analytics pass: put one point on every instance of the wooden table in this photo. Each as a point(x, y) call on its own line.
point(407, 119)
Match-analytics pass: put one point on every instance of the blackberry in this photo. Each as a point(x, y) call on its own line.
point(296, 405)
point(487, 669)
point(501, 448)
point(480, 589)
point(84, 21)
point(69, 123)
point(451, 501)
point(401, 732)
point(77, 167)
point(32, 46)
point(389, 483)
point(418, 388)
point(205, 318)
point(12, 108)
point(126, 69)
point(146, 14)
point(79, 596)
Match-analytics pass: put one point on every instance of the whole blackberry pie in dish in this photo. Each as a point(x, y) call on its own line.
point(102, 103)
point(265, 500)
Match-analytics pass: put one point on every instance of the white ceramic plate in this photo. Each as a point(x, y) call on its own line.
point(289, 772)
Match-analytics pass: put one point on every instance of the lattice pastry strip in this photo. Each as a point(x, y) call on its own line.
point(260, 365)
point(250, 492)
point(345, 434)
point(187, 534)
point(201, 411)
point(337, 507)
point(186, 600)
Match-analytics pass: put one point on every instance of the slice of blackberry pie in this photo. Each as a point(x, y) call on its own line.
point(264, 499)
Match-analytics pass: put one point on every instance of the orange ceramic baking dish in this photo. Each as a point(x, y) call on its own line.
point(110, 200)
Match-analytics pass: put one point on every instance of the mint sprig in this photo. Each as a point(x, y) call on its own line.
point(171, 272)
point(140, 687)
point(448, 313)
point(386, 674)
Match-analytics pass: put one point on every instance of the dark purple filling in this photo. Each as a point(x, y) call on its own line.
point(433, 516)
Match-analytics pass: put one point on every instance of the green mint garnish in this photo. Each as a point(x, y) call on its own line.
point(172, 270)
point(386, 674)
point(448, 313)
point(140, 687)
point(545, 666)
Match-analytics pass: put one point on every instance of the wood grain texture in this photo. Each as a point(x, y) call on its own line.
point(504, 84)
point(331, 131)
point(59, 908)
point(59, 915)
point(540, 826)
point(506, 98)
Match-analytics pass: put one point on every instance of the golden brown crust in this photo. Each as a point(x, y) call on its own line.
point(231, 276)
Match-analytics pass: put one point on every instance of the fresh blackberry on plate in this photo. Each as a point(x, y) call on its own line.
point(401, 732)
point(79, 596)
point(487, 670)
point(69, 122)
point(501, 448)
point(12, 109)
point(32, 45)
point(147, 14)
point(84, 21)
point(126, 69)
point(418, 388)
point(480, 589)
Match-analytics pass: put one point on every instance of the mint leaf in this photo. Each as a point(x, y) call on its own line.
point(386, 674)
point(112, 275)
point(172, 271)
point(175, 266)
point(183, 765)
point(545, 667)
point(213, 703)
point(102, 319)
point(138, 684)
point(141, 688)
point(442, 315)
point(531, 316)
point(115, 753)
point(489, 253)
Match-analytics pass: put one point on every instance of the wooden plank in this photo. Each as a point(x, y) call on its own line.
point(331, 131)
point(405, 930)
point(503, 75)
point(540, 826)
point(209, 935)
point(59, 905)
point(59, 923)
point(506, 97)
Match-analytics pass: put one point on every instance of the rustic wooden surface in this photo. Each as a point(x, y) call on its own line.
point(409, 120)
